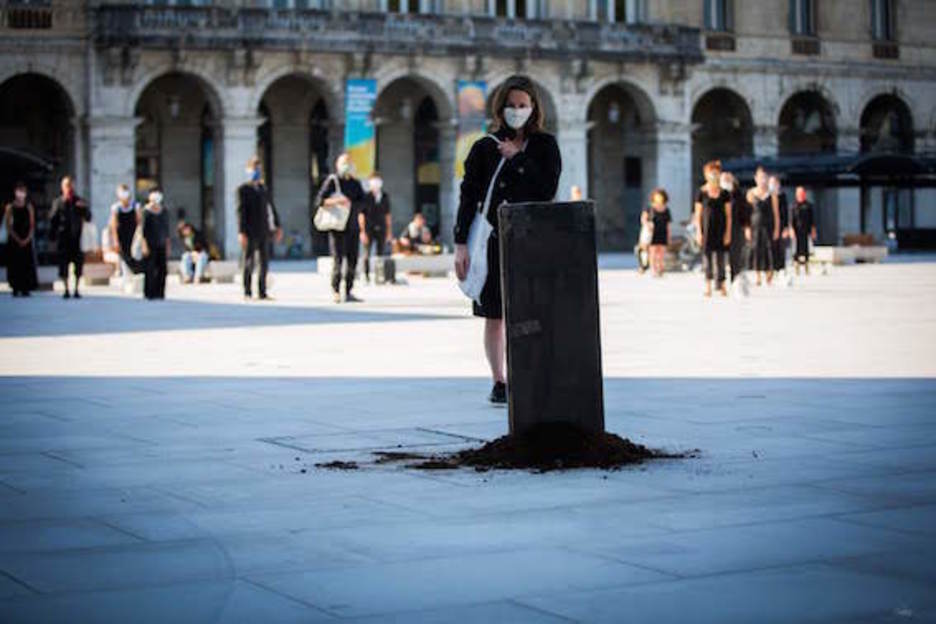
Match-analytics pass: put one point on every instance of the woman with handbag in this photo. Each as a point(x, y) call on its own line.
point(518, 162)
point(338, 213)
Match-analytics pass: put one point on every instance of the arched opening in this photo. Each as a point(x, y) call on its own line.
point(806, 125)
point(37, 143)
point(621, 162)
point(887, 128)
point(408, 116)
point(722, 128)
point(179, 134)
point(293, 144)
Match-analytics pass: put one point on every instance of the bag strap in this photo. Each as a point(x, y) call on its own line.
point(490, 190)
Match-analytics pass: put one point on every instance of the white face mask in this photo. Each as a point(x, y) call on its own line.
point(376, 185)
point(726, 185)
point(21, 195)
point(773, 188)
point(516, 118)
point(123, 194)
point(344, 168)
point(156, 198)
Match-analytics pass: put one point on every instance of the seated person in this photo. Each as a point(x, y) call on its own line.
point(427, 245)
point(411, 236)
point(195, 255)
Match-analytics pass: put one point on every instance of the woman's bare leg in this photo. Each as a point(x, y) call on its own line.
point(495, 348)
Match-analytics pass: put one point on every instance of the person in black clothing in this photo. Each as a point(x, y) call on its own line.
point(344, 189)
point(659, 216)
point(518, 163)
point(781, 244)
point(377, 226)
point(20, 219)
point(155, 246)
point(804, 228)
point(68, 215)
point(123, 223)
point(195, 254)
point(257, 222)
point(713, 220)
point(740, 225)
point(765, 225)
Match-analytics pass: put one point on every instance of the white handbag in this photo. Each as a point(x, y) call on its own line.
point(479, 235)
point(136, 245)
point(332, 218)
point(88, 237)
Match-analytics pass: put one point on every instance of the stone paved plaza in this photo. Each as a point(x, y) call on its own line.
point(157, 459)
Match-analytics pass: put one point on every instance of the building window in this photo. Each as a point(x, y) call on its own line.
point(432, 6)
point(394, 6)
point(630, 11)
point(802, 18)
point(719, 15)
point(883, 20)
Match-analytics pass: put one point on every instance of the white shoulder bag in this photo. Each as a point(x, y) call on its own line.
point(478, 237)
point(332, 218)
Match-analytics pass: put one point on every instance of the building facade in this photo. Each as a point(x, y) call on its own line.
point(179, 93)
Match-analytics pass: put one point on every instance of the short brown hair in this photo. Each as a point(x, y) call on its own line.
point(518, 83)
point(661, 192)
point(712, 165)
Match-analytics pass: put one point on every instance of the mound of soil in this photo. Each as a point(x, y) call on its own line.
point(338, 465)
point(551, 446)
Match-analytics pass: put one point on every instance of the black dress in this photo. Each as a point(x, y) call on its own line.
point(713, 221)
point(762, 227)
point(21, 262)
point(780, 245)
point(740, 219)
point(803, 223)
point(126, 227)
point(531, 175)
point(660, 219)
point(156, 233)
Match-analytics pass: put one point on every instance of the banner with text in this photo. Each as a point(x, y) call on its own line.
point(360, 137)
point(471, 97)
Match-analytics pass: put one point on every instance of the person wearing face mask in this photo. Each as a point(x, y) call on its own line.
point(258, 221)
point(804, 228)
point(125, 216)
point(518, 162)
point(740, 224)
point(345, 190)
point(68, 215)
point(155, 246)
point(765, 225)
point(377, 228)
point(713, 223)
point(20, 219)
point(781, 244)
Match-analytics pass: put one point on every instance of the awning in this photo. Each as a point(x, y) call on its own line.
point(838, 169)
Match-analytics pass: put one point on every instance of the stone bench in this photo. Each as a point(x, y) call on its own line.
point(97, 273)
point(438, 265)
point(828, 255)
point(217, 271)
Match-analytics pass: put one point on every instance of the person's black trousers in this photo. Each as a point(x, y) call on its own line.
point(779, 253)
point(713, 262)
point(376, 238)
point(71, 254)
point(154, 281)
point(737, 256)
point(344, 247)
point(256, 247)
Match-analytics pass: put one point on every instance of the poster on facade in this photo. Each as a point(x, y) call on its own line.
point(471, 120)
point(360, 137)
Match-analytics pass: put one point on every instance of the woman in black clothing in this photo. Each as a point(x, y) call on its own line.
point(20, 218)
point(530, 172)
point(765, 225)
point(123, 224)
point(804, 228)
point(155, 246)
point(740, 225)
point(659, 216)
point(713, 220)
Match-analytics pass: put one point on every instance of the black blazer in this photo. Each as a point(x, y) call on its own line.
point(252, 217)
point(531, 175)
point(67, 218)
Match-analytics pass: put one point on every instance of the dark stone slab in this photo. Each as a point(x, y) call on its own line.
point(549, 275)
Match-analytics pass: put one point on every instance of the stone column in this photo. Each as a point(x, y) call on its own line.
point(766, 144)
point(839, 209)
point(573, 146)
point(448, 185)
point(238, 144)
point(674, 166)
point(112, 161)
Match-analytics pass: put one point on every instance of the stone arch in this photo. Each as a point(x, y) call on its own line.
point(636, 90)
point(216, 93)
point(807, 122)
point(739, 89)
point(799, 87)
point(722, 127)
point(444, 98)
point(65, 81)
point(329, 89)
point(870, 120)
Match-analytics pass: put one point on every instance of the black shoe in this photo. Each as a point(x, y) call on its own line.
point(77, 295)
point(67, 295)
point(349, 298)
point(498, 394)
point(266, 297)
point(24, 293)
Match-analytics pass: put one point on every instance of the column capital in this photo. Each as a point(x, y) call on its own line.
point(106, 126)
point(246, 126)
